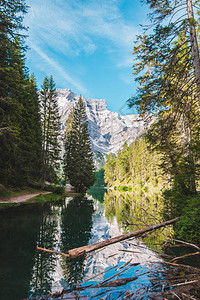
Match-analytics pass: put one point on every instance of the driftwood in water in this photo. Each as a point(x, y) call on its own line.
point(89, 248)
point(187, 244)
point(52, 251)
point(183, 256)
point(117, 282)
point(176, 265)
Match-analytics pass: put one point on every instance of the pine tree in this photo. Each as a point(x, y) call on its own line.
point(110, 169)
point(123, 164)
point(168, 92)
point(134, 165)
point(31, 133)
point(25, 154)
point(11, 44)
point(50, 131)
point(78, 156)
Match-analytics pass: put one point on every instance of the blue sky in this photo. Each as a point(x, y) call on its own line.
point(86, 45)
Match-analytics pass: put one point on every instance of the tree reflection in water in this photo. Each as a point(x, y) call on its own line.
point(76, 232)
point(45, 263)
point(140, 210)
point(18, 235)
point(63, 227)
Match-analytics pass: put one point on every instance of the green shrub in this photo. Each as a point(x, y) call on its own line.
point(188, 226)
point(187, 208)
point(57, 189)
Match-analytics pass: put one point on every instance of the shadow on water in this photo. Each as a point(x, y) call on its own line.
point(68, 227)
point(75, 222)
point(59, 226)
point(76, 232)
point(19, 229)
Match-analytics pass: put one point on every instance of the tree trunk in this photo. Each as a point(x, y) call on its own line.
point(192, 174)
point(194, 46)
point(73, 253)
point(92, 247)
point(46, 145)
point(43, 147)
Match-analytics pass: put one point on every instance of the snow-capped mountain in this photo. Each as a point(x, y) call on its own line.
point(108, 130)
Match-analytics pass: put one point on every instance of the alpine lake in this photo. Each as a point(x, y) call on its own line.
point(134, 267)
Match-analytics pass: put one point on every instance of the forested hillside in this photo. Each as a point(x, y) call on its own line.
point(135, 165)
point(167, 71)
point(29, 124)
point(20, 129)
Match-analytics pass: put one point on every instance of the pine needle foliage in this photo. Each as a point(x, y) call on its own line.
point(135, 165)
point(20, 128)
point(78, 157)
point(51, 126)
point(167, 67)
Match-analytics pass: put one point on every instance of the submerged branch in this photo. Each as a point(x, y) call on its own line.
point(183, 256)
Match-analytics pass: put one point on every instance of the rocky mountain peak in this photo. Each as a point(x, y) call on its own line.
point(108, 130)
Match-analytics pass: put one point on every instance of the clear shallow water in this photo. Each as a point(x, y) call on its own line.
point(74, 222)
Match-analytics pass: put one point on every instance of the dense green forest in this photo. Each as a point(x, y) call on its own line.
point(167, 69)
point(166, 157)
point(20, 129)
point(29, 123)
point(134, 166)
point(30, 139)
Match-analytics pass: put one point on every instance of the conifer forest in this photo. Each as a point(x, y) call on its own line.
point(78, 218)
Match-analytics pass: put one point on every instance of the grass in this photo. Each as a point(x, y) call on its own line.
point(18, 192)
point(55, 195)
point(37, 199)
point(46, 198)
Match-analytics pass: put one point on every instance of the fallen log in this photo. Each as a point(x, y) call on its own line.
point(73, 253)
point(52, 251)
point(89, 248)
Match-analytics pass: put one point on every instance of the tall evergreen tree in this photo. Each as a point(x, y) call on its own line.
point(168, 93)
point(11, 17)
point(26, 152)
point(78, 157)
point(31, 134)
point(134, 165)
point(110, 169)
point(50, 130)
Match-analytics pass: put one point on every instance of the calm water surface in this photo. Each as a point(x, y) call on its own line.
point(74, 222)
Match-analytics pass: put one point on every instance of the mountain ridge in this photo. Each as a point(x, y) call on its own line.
point(108, 130)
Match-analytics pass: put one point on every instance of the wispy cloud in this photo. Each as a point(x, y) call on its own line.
point(73, 27)
point(60, 70)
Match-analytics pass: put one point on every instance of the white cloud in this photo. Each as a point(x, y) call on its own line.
point(72, 38)
point(62, 73)
point(74, 26)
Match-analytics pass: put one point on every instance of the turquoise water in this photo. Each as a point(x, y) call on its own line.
point(26, 272)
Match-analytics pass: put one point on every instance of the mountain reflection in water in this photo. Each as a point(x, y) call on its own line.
point(68, 224)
